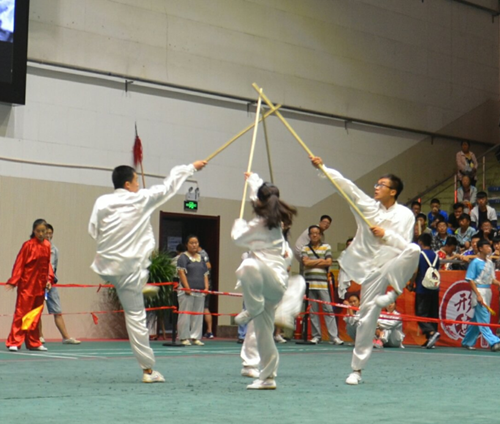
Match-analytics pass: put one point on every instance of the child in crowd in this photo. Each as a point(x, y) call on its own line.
point(389, 332)
point(487, 231)
point(458, 210)
point(439, 240)
point(32, 274)
point(471, 253)
point(449, 252)
point(436, 213)
point(416, 207)
point(422, 222)
point(464, 233)
point(481, 275)
point(352, 317)
point(483, 211)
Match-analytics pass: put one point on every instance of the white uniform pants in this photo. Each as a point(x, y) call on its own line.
point(396, 273)
point(190, 326)
point(330, 322)
point(249, 353)
point(129, 289)
point(261, 293)
point(392, 338)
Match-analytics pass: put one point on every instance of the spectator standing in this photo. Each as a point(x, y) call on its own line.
point(466, 163)
point(324, 223)
point(206, 311)
point(483, 211)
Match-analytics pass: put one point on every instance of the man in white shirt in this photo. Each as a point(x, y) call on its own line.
point(120, 224)
point(380, 255)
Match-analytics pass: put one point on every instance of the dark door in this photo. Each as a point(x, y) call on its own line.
point(175, 227)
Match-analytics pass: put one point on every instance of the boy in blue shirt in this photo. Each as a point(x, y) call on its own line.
point(480, 275)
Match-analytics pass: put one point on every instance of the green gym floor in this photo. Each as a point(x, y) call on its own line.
point(99, 382)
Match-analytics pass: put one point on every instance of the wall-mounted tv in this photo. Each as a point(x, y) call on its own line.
point(14, 18)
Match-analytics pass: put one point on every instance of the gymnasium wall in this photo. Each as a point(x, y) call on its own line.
point(432, 66)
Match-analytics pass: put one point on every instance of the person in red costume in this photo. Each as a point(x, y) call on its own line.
point(32, 274)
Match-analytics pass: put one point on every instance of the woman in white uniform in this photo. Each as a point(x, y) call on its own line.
point(263, 274)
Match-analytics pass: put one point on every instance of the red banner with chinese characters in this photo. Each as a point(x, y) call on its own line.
point(454, 304)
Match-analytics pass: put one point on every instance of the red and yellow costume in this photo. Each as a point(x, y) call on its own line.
point(32, 270)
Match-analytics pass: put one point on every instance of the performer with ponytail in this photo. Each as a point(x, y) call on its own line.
point(264, 273)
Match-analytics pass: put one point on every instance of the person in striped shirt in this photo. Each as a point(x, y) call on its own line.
point(317, 257)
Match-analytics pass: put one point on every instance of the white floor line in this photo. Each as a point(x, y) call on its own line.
point(43, 355)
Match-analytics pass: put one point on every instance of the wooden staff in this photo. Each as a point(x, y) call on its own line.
point(322, 167)
point(268, 151)
point(242, 132)
point(252, 150)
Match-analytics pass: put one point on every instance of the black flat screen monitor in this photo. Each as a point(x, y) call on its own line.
point(14, 18)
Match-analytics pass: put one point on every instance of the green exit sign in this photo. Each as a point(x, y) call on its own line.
point(191, 205)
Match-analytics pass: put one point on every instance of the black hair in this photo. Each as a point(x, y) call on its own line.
point(458, 205)
point(451, 241)
point(468, 175)
point(326, 217)
point(423, 216)
point(349, 295)
point(496, 239)
point(425, 239)
point(440, 218)
point(482, 243)
point(466, 142)
point(189, 237)
point(482, 195)
point(436, 200)
point(485, 220)
point(396, 183)
point(349, 240)
point(49, 227)
point(180, 248)
point(415, 202)
point(475, 236)
point(122, 174)
point(464, 216)
point(272, 208)
point(311, 227)
point(38, 222)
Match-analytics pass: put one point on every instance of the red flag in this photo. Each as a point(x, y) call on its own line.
point(137, 149)
point(95, 318)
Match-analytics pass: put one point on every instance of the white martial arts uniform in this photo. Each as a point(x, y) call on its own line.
point(392, 335)
point(263, 277)
point(374, 262)
point(351, 325)
point(120, 223)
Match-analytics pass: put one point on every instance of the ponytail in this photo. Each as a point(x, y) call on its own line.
point(272, 208)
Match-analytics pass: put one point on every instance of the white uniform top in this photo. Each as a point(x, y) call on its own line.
point(264, 244)
point(120, 223)
point(390, 321)
point(367, 252)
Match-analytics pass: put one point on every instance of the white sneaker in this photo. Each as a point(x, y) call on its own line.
point(71, 341)
point(354, 379)
point(386, 299)
point(13, 349)
point(279, 339)
point(197, 342)
point(337, 341)
point(154, 377)
point(242, 318)
point(185, 342)
point(39, 348)
point(268, 384)
point(250, 372)
point(315, 340)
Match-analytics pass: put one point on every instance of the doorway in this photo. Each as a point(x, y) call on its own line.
point(175, 227)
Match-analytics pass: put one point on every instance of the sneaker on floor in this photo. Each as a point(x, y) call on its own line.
point(433, 339)
point(386, 299)
point(39, 348)
point(242, 318)
point(185, 342)
point(42, 340)
point(315, 340)
point(250, 372)
point(469, 347)
point(71, 341)
point(279, 339)
point(354, 379)
point(209, 335)
point(154, 377)
point(197, 342)
point(13, 349)
point(495, 347)
point(268, 384)
point(337, 341)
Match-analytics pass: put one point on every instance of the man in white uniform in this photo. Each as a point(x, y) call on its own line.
point(381, 255)
point(120, 223)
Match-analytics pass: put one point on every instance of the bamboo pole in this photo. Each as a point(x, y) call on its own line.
point(268, 151)
point(322, 167)
point(252, 150)
point(242, 132)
